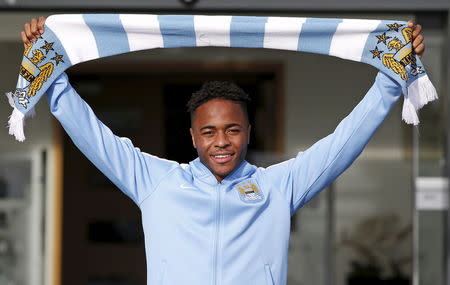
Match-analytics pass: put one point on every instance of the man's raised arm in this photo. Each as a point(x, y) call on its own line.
point(301, 178)
point(134, 172)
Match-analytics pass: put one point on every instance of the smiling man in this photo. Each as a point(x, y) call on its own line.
point(220, 128)
point(219, 219)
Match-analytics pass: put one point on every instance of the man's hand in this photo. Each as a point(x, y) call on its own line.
point(32, 30)
point(417, 38)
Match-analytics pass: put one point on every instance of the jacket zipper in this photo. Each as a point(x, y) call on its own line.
point(216, 239)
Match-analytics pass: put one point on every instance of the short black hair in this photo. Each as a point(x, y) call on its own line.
point(217, 90)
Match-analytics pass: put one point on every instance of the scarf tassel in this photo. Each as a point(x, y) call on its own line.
point(16, 120)
point(420, 92)
point(409, 113)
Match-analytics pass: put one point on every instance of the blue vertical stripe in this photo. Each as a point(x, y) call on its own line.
point(109, 33)
point(316, 35)
point(247, 31)
point(177, 30)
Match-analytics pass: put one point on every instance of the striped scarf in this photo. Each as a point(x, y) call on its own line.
point(75, 38)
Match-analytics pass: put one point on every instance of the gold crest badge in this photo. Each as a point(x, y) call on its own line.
point(249, 192)
point(35, 69)
point(400, 52)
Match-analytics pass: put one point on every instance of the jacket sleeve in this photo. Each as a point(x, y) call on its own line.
point(134, 172)
point(301, 178)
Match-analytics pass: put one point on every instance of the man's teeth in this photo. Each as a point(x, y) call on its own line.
point(222, 156)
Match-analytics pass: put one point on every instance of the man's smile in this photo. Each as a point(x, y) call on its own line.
point(222, 157)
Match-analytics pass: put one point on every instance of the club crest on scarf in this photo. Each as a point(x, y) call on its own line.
point(36, 68)
point(398, 54)
point(249, 192)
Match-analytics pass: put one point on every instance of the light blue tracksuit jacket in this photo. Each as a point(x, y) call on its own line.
point(201, 232)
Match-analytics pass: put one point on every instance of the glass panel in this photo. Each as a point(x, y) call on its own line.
point(308, 254)
point(374, 223)
point(431, 245)
point(431, 202)
point(432, 129)
point(15, 180)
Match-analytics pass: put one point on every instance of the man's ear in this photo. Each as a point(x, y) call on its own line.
point(192, 136)
point(249, 132)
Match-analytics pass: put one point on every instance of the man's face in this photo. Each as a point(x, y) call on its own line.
point(220, 132)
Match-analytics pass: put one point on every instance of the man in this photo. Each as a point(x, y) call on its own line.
point(219, 219)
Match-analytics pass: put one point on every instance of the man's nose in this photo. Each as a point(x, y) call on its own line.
point(222, 140)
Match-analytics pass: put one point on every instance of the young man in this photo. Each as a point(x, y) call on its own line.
point(219, 219)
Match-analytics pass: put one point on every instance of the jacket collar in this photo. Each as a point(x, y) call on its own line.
point(200, 171)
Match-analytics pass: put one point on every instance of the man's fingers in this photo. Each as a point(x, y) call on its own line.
point(41, 22)
point(417, 41)
point(34, 29)
point(419, 50)
point(417, 38)
point(27, 30)
point(33, 24)
point(417, 30)
point(25, 40)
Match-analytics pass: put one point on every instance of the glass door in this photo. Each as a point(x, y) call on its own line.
point(430, 169)
point(21, 205)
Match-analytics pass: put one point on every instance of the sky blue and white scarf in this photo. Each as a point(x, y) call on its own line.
point(75, 38)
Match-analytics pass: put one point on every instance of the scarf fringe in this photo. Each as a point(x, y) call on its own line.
point(16, 122)
point(10, 99)
point(420, 93)
point(17, 119)
point(409, 114)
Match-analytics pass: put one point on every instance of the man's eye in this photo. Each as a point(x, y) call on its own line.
point(207, 133)
point(234, 131)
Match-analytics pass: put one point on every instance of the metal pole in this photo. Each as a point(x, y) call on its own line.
point(415, 174)
point(446, 71)
point(330, 239)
